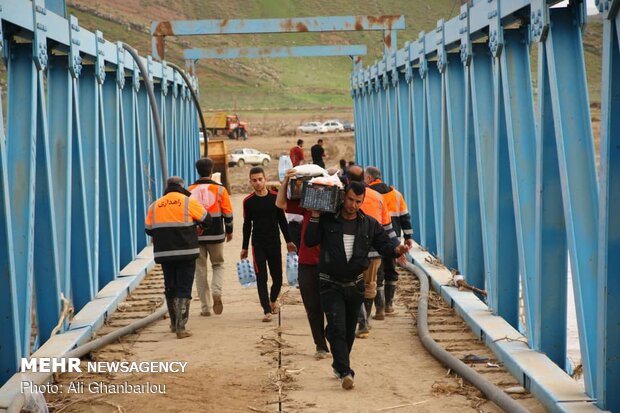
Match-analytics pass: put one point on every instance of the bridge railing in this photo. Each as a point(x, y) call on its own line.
point(501, 176)
point(79, 165)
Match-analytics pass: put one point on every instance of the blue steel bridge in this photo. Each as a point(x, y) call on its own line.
point(501, 177)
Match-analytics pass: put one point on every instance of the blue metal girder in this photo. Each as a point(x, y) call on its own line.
point(108, 182)
point(571, 112)
point(274, 52)
point(411, 179)
point(403, 168)
point(548, 295)
point(439, 165)
point(608, 314)
point(45, 259)
point(291, 25)
point(423, 168)
point(507, 262)
point(127, 182)
point(481, 79)
point(521, 132)
point(463, 168)
point(57, 6)
point(90, 129)
point(21, 127)
point(9, 322)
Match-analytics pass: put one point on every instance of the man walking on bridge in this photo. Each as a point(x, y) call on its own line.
point(345, 239)
point(171, 221)
point(214, 197)
point(401, 220)
point(261, 219)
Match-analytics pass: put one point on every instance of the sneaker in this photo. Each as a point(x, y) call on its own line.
point(218, 306)
point(205, 313)
point(267, 318)
point(347, 382)
point(321, 354)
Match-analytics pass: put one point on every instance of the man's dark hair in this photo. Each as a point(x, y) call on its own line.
point(300, 142)
point(358, 188)
point(319, 141)
point(204, 167)
point(355, 173)
point(343, 164)
point(257, 170)
point(373, 172)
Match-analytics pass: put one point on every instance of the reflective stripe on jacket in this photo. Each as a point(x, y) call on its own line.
point(374, 206)
point(397, 207)
point(171, 221)
point(215, 199)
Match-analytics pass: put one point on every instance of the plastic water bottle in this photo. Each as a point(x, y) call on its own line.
point(246, 274)
point(292, 268)
point(284, 165)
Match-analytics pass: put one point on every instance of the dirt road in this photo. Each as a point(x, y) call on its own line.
point(233, 361)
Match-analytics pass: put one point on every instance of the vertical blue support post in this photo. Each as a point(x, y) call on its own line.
point(422, 151)
point(432, 87)
point(481, 81)
point(89, 127)
point(82, 276)
point(608, 357)
point(506, 264)
point(549, 290)
point(60, 119)
point(407, 132)
point(9, 322)
point(106, 106)
point(571, 113)
point(127, 187)
point(521, 131)
point(141, 172)
point(379, 124)
point(20, 150)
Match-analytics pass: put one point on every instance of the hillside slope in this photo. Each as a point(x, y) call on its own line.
point(268, 84)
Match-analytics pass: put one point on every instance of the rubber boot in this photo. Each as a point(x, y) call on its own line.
point(380, 305)
point(368, 302)
point(390, 289)
point(182, 317)
point(172, 313)
point(362, 326)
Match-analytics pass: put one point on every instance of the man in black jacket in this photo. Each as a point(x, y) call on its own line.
point(345, 238)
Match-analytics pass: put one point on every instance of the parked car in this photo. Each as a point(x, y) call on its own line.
point(312, 127)
point(242, 156)
point(333, 126)
point(348, 125)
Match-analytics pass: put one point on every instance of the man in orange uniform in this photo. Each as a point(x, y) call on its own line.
point(171, 221)
point(373, 206)
point(401, 220)
point(214, 197)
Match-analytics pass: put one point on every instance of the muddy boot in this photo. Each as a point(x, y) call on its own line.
point(362, 326)
point(368, 302)
point(172, 313)
point(380, 305)
point(390, 289)
point(182, 317)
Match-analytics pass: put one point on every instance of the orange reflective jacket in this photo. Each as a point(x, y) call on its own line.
point(215, 199)
point(171, 221)
point(397, 207)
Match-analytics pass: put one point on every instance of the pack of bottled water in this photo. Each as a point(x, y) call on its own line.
point(246, 274)
point(292, 267)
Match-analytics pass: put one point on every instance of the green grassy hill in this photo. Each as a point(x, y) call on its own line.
point(277, 84)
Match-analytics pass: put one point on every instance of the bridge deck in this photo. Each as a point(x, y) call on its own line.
point(233, 359)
